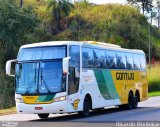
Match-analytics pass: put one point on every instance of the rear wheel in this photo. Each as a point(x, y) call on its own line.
point(99, 109)
point(43, 116)
point(131, 101)
point(86, 108)
point(135, 101)
point(123, 107)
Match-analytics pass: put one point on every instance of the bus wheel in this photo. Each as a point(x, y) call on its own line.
point(135, 101)
point(43, 116)
point(130, 101)
point(123, 107)
point(100, 109)
point(86, 108)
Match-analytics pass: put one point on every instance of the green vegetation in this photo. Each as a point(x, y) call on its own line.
point(146, 5)
point(154, 79)
point(60, 10)
point(37, 21)
point(154, 93)
point(8, 111)
point(16, 27)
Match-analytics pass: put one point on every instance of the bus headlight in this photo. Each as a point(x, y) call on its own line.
point(19, 100)
point(62, 98)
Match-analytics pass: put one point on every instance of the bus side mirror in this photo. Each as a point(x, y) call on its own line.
point(66, 65)
point(9, 65)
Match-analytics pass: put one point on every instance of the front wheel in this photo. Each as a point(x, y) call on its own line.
point(43, 116)
point(86, 108)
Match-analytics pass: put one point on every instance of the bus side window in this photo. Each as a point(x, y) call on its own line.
point(142, 62)
point(87, 58)
point(121, 61)
point(95, 57)
point(74, 69)
point(110, 60)
point(136, 62)
point(99, 58)
point(129, 61)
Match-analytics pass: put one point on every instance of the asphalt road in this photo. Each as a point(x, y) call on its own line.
point(147, 112)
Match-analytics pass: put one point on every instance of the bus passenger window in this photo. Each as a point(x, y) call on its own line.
point(102, 59)
point(99, 58)
point(87, 58)
point(136, 62)
point(121, 61)
point(110, 60)
point(129, 61)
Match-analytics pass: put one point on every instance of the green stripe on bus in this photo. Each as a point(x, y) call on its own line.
point(109, 82)
point(106, 84)
point(45, 98)
point(111, 85)
point(100, 77)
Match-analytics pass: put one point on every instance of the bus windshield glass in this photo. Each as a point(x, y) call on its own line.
point(39, 78)
point(42, 53)
point(39, 70)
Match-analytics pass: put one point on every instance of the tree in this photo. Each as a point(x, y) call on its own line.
point(60, 9)
point(146, 5)
point(21, 3)
point(15, 26)
point(158, 8)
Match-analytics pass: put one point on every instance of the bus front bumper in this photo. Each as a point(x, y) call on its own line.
point(55, 107)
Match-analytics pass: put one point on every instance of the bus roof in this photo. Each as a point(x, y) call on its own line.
point(83, 43)
point(50, 43)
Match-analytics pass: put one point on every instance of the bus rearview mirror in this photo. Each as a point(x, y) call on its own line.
point(9, 65)
point(66, 65)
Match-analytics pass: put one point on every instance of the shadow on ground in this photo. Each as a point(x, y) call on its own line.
point(97, 113)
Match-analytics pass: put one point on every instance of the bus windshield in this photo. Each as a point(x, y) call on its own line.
point(42, 53)
point(39, 77)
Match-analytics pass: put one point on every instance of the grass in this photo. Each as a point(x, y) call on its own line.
point(154, 78)
point(8, 111)
point(154, 93)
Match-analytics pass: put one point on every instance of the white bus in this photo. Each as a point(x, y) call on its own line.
point(70, 76)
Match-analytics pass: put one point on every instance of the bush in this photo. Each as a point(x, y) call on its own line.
point(6, 91)
point(154, 78)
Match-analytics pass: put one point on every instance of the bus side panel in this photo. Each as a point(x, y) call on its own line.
point(144, 87)
point(126, 81)
point(105, 85)
point(134, 83)
point(120, 84)
point(89, 85)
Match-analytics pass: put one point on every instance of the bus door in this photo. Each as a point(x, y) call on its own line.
point(73, 78)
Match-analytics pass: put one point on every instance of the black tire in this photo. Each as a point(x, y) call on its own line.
point(135, 105)
point(43, 116)
point(123, 107)
point(100, 109)
point(86, 108)
point(131, 101)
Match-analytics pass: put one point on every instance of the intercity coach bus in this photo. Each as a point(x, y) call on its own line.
point(70, 76)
